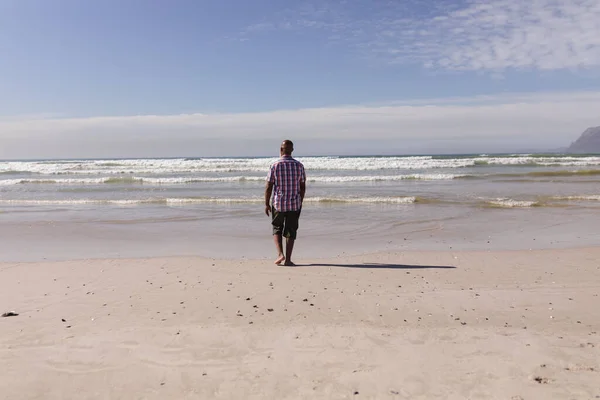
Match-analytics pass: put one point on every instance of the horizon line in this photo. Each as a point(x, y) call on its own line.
point(479, 154)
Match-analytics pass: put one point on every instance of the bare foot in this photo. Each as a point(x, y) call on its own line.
point(289, 264)
point(280, 259)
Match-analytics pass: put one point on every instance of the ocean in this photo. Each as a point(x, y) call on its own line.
point(202, 206)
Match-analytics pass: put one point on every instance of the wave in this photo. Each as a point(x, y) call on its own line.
point(385, 200)
point(511, 203)
point(592, 197)
point(138, 180)
point(583, 172)
point(188, 180)
point(128, 201)
point(544, 201)
point(91, 181)
point(376, 178)
point(129, 180)
point(14, 172)
point(388, 200)
point(203, 200)
point(171, 166)
point(549, 174)
point(552, 201)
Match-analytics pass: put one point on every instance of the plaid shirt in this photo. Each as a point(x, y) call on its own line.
point(286, 176)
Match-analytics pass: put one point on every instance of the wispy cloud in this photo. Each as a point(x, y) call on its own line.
point(492, 123)
point(475, 35)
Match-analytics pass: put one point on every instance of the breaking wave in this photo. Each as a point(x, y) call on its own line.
point(511, 203)
point(552, 201)
point(385, 200)
point(592, 197)
point(187, 180)
point(204, 200)
point(582, 172)
point(173, 166)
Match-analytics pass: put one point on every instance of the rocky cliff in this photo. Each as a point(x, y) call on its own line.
point(588, 142)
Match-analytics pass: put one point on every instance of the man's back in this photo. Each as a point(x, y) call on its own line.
point(286, 175)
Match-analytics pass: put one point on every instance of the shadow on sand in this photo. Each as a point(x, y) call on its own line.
point(378, 266)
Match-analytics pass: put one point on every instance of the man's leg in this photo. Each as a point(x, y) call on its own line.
point(277, 222)
point(279, 245)
point(289, 247)
point(291, 228)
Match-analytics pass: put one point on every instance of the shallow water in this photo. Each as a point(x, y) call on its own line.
point(213, 207)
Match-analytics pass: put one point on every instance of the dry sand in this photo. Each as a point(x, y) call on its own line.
point(416, 325)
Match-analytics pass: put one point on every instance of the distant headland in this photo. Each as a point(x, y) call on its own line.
point(588, 142)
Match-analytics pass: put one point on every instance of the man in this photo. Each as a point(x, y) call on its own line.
point(288, 180)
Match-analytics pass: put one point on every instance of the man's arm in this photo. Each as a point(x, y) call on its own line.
point(302, 184)
point(302, 190)
point(268, 193)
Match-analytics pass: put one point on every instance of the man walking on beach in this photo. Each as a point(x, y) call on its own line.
point(288, 180)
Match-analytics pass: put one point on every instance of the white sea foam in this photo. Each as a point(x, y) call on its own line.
point(510, 203)
point(6, 182)
point(592, 197)
point(129, 180)
point(174, 166)
point(91, 181)
point(132, 202)
point(376, 178)
point(200, 179)
point(388, 200)
point(200, 200)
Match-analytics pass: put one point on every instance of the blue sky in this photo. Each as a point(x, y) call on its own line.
point(165, 75)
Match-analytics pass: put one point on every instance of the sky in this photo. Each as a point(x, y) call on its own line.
point(170, 78)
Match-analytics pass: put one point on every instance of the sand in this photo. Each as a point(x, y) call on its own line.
point(411, 325)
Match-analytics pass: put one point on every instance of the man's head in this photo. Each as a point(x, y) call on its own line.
point(287, 147)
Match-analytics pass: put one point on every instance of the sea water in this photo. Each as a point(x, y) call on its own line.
point(214, 206)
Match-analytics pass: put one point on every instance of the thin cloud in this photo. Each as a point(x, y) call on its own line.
point(480, 35)
point(491, 123)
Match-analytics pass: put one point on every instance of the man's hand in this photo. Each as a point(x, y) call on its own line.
point(267, 209)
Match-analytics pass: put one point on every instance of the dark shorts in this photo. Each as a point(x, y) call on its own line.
point(285, 223)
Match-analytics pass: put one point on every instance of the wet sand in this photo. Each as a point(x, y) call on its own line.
point(325, 232)
point(389, 325)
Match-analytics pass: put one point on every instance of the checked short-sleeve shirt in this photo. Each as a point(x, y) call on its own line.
point(286, 175)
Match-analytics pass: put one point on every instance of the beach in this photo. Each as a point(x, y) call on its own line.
point(436, 164)
point(416, 325)
point(457, 277)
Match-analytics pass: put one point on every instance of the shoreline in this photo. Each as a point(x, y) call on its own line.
point(305, 260)
point(322, 233)
point(386, 325)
